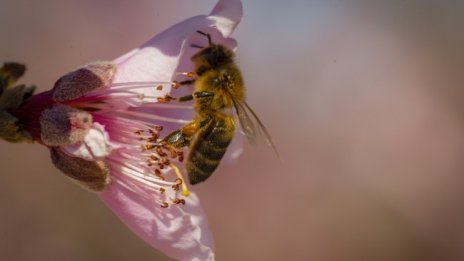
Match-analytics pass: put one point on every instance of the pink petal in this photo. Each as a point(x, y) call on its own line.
point(95, 146)
point(158, 59)
point(227, 14)
point(178, 231)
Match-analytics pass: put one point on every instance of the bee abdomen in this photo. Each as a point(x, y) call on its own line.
point(208, 148)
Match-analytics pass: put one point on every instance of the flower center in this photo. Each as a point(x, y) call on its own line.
point(144, 162)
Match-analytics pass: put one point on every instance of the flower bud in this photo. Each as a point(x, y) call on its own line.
point(81, 81)
point(92, 175)
point(63, 125)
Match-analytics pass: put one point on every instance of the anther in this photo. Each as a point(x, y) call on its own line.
point(164, 204)
point(173, 154)
point(159, 87)
point(166, 162)
point(151, 140)
point(147, 147)
point(161, 100)
point(179, 201)
point(190, 74)
point(160, 152)
point(187, 74)
point(165, 99)
point(149, 163)
point(158, 174)
point(175, 85)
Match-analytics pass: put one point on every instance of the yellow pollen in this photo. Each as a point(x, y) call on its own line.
point(185, 192)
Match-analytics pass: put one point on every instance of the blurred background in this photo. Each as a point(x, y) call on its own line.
point(362, 98)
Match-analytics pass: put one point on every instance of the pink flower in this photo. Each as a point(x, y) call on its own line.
point(102, 129)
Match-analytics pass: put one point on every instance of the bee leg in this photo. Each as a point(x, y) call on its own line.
point(182, 137)
point(196, 95)
point(177, 84)
point(177, 139)
point(187, 82)
point(185, 98)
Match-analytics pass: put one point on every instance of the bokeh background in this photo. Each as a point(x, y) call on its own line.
point(363, 99)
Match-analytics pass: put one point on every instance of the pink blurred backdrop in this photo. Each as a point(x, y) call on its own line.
point(364, 102)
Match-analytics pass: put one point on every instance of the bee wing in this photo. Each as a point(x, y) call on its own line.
point(252, 125)
point(247, 125)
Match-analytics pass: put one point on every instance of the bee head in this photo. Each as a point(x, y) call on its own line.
point(212, 57)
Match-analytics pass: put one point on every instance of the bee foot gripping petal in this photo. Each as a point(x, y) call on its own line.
point(81, 81)
point(63, 125)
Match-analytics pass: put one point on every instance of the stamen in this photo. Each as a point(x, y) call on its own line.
point(185, 192)
point(147, 116)
point(178, 201)
point(180, 154)
point(167, 106)
point(165, 99)
point(175, 85)
point(115, 87)
point(164, 204)
point(186, 74)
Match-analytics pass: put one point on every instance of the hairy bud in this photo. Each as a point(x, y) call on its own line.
point(81, 81)
point(64, 125)
point(92, 175)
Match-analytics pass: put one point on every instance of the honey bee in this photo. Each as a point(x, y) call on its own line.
point(218, 88)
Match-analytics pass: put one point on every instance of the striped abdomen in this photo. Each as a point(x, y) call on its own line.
point(208, 148)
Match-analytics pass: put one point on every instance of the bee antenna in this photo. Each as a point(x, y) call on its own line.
point(207, 35)
point(196, 46)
